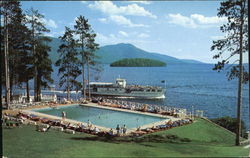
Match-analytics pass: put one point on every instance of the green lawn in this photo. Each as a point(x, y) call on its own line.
point(200, 139)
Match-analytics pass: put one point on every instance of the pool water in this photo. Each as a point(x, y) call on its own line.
point(101, 117)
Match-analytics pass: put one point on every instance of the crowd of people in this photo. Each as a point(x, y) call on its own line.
point(164, 110)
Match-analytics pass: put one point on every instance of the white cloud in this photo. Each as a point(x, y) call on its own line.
point(112, 39)
point(112, 35)
point(50, 23)
point(110, 8)
point(195, 20)
point(142, 2)
point(123, 33)
point(143, 35)
point(181, 20)
point(208, 20)
point(54, 34)
point(100, 38)
point(121, 20)
point(104, 20)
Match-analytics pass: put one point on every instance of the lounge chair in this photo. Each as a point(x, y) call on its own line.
point(109, 135)
point(69, 131)
point(44, 120)
point(162, 126)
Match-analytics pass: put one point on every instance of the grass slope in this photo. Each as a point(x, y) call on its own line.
point(206, 140)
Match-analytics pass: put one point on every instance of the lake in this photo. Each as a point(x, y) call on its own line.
point(187, 85)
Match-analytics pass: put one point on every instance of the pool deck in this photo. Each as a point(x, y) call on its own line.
point(28, 111)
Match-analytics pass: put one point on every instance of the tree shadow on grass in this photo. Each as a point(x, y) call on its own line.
point(94, 138)
point(141, 139)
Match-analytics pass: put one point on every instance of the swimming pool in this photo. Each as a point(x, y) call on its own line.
point(101, 117)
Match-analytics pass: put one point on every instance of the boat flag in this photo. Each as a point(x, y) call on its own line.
point(163, 81)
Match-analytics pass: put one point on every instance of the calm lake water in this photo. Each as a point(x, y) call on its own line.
point(187, 85)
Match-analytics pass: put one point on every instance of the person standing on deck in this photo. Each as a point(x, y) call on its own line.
point(63, 115)
point(118, 130)
point(124, 129)
point(89, 123)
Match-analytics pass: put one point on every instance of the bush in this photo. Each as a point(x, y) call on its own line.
point(230, 124)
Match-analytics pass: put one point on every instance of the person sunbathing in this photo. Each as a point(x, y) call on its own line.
point(43, 129)
point(111, 132)
point(96, 130)
point(138, 129)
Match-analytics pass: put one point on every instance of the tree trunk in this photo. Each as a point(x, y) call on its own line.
point(10, 83)
point(38, 86)
point(7, 77)
point(35, 85)
point(88, 78)
point(67, 88)
point(27, 91)
point(83, 79)
point(239, 102)
point(35, 61)
point(249, 85)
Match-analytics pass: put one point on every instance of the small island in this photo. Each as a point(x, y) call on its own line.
point(138, 62)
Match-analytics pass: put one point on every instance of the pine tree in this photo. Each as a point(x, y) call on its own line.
point(82, 29)
point(6, 13)
point(87, 49)
point(24, 65)
point(68, 63)
point(44, 66)
point(90, 55)
point(235, 42)
point(12, 40)
point(34, 19)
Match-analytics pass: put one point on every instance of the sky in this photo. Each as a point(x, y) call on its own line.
point(181, 29)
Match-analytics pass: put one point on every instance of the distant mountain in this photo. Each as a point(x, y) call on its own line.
point(190, 61)
point(54, 44)
point(111, 53)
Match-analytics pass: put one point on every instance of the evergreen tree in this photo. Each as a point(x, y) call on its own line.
point(68, 63)
point(34, 20)
point(90, 55)
point(6, 12)
point(44, 66)
point(235, 42)
point(86, 39)
point(24, 65)
point(13, 41)
point(82, 30)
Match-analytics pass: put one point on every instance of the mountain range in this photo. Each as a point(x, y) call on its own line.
point(111, 53)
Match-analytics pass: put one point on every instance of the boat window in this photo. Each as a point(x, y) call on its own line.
point(159, 90)
point(148, 90)
point(153, 90)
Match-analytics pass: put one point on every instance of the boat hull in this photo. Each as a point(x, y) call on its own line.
point(130, 95)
